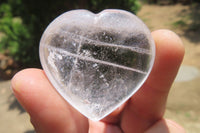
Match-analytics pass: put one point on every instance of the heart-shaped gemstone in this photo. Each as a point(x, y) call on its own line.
point(97, 61)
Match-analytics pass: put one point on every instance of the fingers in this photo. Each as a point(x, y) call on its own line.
point(50, 113)
point(102, 127)
point(48, 110)
point(165, 126)
point(148, 104)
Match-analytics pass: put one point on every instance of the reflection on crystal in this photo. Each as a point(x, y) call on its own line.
point(97, 67)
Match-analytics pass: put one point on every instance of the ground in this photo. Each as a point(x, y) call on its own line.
point(183, 103)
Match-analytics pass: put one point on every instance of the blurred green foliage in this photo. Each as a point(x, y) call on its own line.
point(179, 23)
point(170, 1)
point(23, 21)
point(16, 37)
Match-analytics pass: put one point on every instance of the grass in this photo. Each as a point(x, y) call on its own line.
point(179, 23)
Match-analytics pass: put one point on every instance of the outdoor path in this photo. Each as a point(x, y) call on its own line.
point(183, 103)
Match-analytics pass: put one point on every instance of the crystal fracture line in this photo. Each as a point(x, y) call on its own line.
point(75, 64)
point(99, 43)
point(95, 60)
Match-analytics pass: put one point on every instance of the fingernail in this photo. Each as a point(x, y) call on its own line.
point(15, 84)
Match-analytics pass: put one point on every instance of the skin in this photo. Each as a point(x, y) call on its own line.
point(142, 113)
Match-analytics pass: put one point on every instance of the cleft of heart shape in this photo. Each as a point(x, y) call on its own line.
point(97, 61)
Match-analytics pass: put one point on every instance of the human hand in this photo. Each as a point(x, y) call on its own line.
point(142, 113)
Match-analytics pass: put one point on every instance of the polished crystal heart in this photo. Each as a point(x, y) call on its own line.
point(97, 61)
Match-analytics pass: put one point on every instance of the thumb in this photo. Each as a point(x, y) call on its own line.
point(49, 112)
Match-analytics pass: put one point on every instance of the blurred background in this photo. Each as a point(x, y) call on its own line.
point(22, 23)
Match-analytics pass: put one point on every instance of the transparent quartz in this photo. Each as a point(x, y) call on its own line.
point(97, 61)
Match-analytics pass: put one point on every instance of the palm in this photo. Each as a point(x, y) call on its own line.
point(51, 113)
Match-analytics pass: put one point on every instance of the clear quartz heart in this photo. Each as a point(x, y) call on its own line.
point(97, 61)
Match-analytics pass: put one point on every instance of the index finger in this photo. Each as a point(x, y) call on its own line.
point(148, 104)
